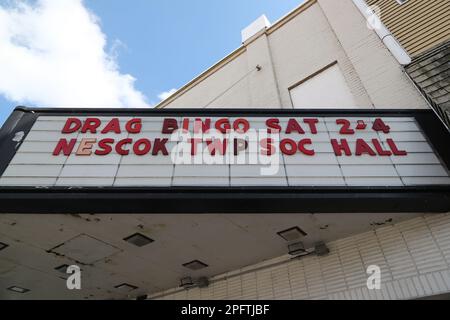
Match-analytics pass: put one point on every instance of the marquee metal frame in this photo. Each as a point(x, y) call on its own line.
point(97, 200)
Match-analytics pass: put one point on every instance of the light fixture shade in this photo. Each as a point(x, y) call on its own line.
point(292, 234)
point(296, 248)
point(139, 240)
point(18, 289)
point(186, 282)
point(195, 265)
point(126, 287)
point(321, 249)
point(203, 282)
point(62, 268)
point(3, 246)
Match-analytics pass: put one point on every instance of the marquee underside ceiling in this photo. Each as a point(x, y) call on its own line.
point(37, 244)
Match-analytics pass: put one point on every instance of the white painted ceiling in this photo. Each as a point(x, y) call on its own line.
point(40, 243)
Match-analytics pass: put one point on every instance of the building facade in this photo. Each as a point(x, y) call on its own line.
point(418, 25)
point(321, 43)
point(323, 228)
point(324, 55)
point(423, 29)
point(413, 256)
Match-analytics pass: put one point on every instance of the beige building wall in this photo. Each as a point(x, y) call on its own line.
point(315, 35)
point(414, 257)
point(419, 25)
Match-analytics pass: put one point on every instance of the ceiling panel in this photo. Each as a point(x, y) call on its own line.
point(225, 242)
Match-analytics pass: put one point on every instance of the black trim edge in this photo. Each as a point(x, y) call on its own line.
point(222, 200)
point(225, 200)
point(18, 121)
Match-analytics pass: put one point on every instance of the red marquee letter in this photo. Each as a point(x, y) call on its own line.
point(72, 125)
point(268, 148)
point(312, 124)
point(91, 124)
point(379, 148)
point(240, 145)
point(362, 147)
point(301, 147)
point(134, 126)
point(112, 126)
point(291, 150)
point(217, 144)
point(200, 126)
point(169, 126)
point(119, 147)
point(223, 125)
point(65, 147)
point(394, 148)
point(105, 147)
point(147, 145)
point(160, 146)
point(273, 125)
point(245, 125)
point(293, 125)
point(194, 143)
point(339, 147)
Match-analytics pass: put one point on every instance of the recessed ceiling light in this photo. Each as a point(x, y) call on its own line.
point(203, 282)
point(186, 282)
point(292, 234)
point(62, 268)
point(18, 289)
point(3, 246)
point(321, 249)
point(139, 240)
point(195, 265)
point(126, 287)
point(296, 248)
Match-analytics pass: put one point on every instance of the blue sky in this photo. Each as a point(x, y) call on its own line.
point(162, 44)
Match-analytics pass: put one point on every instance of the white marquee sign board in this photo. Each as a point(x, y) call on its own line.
point(220, 151)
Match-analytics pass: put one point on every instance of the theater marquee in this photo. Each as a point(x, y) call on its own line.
point(293, 154)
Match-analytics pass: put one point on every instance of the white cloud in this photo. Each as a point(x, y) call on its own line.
point(164, 95)
point(53, 53)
